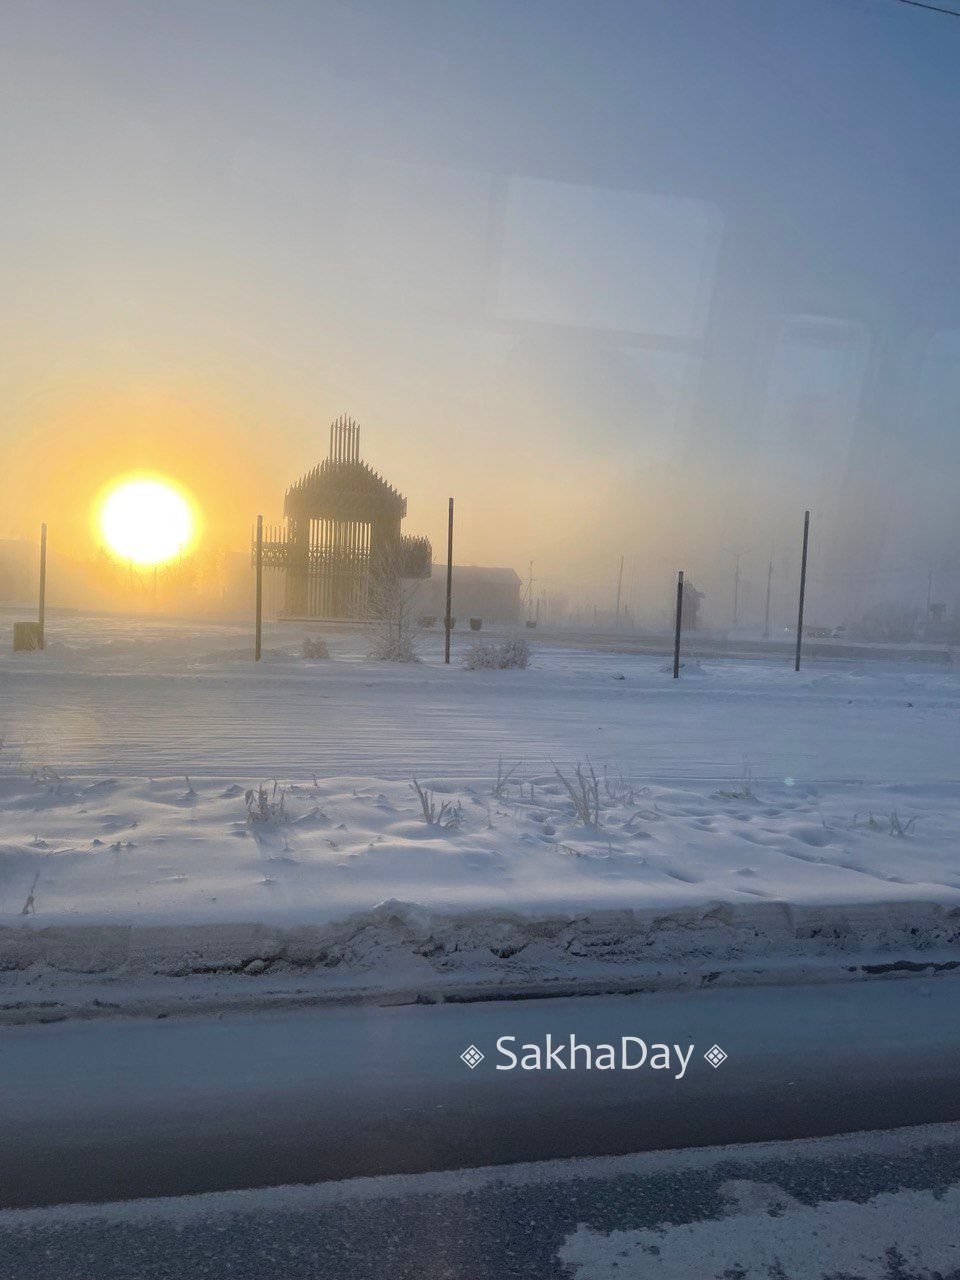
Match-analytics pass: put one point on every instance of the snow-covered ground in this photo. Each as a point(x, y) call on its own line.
point(745, 811)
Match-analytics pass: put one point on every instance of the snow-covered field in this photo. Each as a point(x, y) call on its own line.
point(745, 812)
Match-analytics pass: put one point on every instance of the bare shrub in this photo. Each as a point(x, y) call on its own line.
point(30, 906)
point(54, 783)
point(744, 791)
point(899, 828)
point(584, 790)
point(448, 816)
point(503, 777)
point(619, 789)
point(315, 648)
point(267, 807)
point(895, 825)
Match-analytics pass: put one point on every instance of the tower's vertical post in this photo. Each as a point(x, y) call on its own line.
point(446, 619)
point(258, 642)
point(676, 634)
point(42, 610)
point(803, 586)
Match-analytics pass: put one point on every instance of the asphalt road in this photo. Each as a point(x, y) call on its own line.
point(130, 1108)
point(874, 1206)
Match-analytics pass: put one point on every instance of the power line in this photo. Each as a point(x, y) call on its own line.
point(934, 8)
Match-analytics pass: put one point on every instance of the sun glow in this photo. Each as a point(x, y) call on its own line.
point(146, 520)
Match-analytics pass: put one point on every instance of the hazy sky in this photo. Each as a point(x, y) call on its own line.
point(643, 278)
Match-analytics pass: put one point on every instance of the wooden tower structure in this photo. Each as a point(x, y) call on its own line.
point(341, 550)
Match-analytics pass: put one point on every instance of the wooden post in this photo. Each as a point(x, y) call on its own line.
point(676, 635)
point(803, 586)
point(42, 611)
point(258, 643)
point(446, 620)
point(766, 612)
point(619, 589)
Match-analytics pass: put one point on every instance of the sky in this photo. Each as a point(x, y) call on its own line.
point(638, 279)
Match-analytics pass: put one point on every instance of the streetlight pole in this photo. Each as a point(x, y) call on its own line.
point(676, 634)
point(258, 640)
point(803, 586)
point(447, 619)
point(42, 609)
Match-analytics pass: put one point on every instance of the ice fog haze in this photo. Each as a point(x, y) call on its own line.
point(641, 280)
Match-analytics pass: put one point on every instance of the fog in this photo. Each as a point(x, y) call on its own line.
point(640, 280)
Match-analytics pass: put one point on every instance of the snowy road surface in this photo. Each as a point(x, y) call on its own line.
point(113, 1110)
point(880, 1206)
point(154, 699)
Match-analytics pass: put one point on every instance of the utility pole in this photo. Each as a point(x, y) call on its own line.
point(676, 635)
point(619, 589)
point(736, 589)
point(766, 612)
point(803, 586)
point(447, 620)
point(42, 610)
point(258, 642)
point(926, 616)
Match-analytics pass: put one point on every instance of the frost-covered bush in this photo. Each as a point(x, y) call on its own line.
point(386, 645)
point(512, 653)
point(394, 634)
point(315, 647)
point(516, 653)
point(480, 656)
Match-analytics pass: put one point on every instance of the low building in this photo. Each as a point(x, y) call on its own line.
point(491, 594)
point(690, 620)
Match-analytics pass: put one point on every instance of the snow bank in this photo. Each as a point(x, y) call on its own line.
point(411, 942)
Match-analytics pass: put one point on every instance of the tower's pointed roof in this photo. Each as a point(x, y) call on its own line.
point(341, 487)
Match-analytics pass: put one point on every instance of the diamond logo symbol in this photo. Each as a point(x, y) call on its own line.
point(472, 1056)
point(715, 1056)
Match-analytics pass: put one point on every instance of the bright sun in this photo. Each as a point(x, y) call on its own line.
point(146, 521)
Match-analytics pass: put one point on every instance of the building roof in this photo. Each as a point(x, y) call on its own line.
point(344, 490)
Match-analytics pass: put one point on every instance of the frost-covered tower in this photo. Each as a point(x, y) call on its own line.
point(342, 551)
